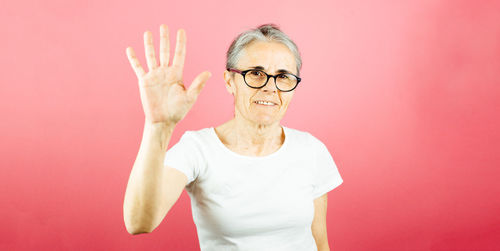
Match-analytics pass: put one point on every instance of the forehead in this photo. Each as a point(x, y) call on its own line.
point(273, 56)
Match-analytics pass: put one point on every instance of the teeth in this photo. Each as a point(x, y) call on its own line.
point(264, 103)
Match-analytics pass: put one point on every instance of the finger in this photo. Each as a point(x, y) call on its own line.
point(150, 50)
point(164, 45)
point(136, 65)
point(180, 50)
point(198, 83)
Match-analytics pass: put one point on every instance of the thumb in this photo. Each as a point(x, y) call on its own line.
point(197, 84)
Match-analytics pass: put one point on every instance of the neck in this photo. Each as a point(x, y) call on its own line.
point(245, 133)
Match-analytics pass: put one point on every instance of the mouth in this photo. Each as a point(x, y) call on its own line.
point(265, 103)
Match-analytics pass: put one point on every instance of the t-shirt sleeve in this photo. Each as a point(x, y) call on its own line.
point(327, 176)
point(185, 156)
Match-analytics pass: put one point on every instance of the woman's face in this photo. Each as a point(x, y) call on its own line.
point(272, 56)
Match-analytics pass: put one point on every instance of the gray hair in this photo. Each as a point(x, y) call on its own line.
point(266, 32)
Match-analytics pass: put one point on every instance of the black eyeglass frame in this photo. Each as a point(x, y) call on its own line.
point(243, 73)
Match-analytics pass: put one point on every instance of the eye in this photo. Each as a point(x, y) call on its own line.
point(255, 73)
point(284, 76)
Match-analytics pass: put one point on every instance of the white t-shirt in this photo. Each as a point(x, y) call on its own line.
point(254, 202)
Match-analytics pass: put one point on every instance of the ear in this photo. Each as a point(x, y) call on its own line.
point(228, 83)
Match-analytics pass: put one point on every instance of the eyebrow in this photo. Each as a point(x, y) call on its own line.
point(258, 67)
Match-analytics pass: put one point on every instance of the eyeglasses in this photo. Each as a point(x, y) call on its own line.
point(257, 79)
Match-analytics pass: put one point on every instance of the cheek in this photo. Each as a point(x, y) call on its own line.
point(286, 101)
point(243, 99)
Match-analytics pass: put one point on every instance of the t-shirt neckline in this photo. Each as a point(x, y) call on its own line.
point(281, 149)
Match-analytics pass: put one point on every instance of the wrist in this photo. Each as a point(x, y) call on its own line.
point(161, 126)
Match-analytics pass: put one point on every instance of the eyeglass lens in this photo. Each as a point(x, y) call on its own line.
point(284, 81)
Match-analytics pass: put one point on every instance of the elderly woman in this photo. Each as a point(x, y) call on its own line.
point(254, 184)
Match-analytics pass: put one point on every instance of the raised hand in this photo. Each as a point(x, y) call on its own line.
point(164, 97)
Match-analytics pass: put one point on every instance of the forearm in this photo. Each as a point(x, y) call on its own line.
point(143, 194)
point(324, 247)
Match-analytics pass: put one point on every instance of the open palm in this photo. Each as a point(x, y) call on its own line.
point(164, 97)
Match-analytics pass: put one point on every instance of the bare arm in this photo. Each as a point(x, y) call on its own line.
point(318, 226)
point(153, 189)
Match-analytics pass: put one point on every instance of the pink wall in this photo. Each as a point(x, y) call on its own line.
point(405, 94)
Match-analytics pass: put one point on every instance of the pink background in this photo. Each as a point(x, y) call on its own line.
point(405, 94)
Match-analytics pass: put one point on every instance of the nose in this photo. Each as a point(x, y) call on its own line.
point(270, 85)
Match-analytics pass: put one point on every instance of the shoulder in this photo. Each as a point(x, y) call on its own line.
point(302, 136)
point(199, 136)
point(200, 133)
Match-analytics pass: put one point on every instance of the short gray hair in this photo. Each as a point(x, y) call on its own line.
point(266, 32)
